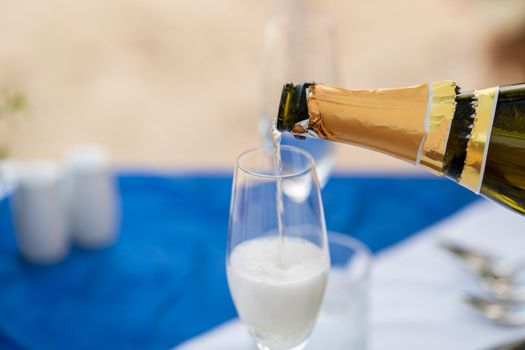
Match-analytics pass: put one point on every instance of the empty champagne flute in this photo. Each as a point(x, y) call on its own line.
point(298, 46)
point(277, 274)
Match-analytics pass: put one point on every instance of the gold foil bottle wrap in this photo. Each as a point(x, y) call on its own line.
point(391, 121)
point(478, 144)
point(411, 123)
point(442, 105)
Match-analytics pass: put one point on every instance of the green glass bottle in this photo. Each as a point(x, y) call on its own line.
point(475, 138)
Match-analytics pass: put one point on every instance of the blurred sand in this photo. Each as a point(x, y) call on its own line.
point(176, 83)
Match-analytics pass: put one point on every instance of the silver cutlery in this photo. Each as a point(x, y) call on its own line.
point(496, 277)
point(501, 313)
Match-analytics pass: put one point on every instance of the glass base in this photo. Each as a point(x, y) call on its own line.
point(296, 347)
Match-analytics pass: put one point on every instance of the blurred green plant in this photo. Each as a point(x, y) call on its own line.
point(12, 103)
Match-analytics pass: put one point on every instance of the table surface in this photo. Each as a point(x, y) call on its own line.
point(417, 289)
point(164, 281)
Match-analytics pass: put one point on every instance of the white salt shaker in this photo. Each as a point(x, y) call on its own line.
point(39, 212)
point(91, 197)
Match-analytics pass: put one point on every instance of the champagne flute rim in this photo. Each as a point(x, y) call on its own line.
point(310, 19)
point(308, 167)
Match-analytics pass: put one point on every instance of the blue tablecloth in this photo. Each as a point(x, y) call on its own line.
point(164, 281)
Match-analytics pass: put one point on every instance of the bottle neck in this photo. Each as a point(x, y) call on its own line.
point(431, 125)
point(407, 123)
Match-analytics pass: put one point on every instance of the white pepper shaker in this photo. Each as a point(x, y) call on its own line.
point(39, 212)
point(93, 205)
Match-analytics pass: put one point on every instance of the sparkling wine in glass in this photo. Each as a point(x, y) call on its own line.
point(277, 280)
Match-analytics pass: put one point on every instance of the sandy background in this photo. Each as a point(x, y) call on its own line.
point(177, 83)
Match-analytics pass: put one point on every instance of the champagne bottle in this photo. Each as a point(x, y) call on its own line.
point(475, 138)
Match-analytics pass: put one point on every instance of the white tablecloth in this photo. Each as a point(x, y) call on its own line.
point(416, 289)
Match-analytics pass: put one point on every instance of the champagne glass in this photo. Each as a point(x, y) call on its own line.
point(342, 322)
point(277, 277)
point(298, 46)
